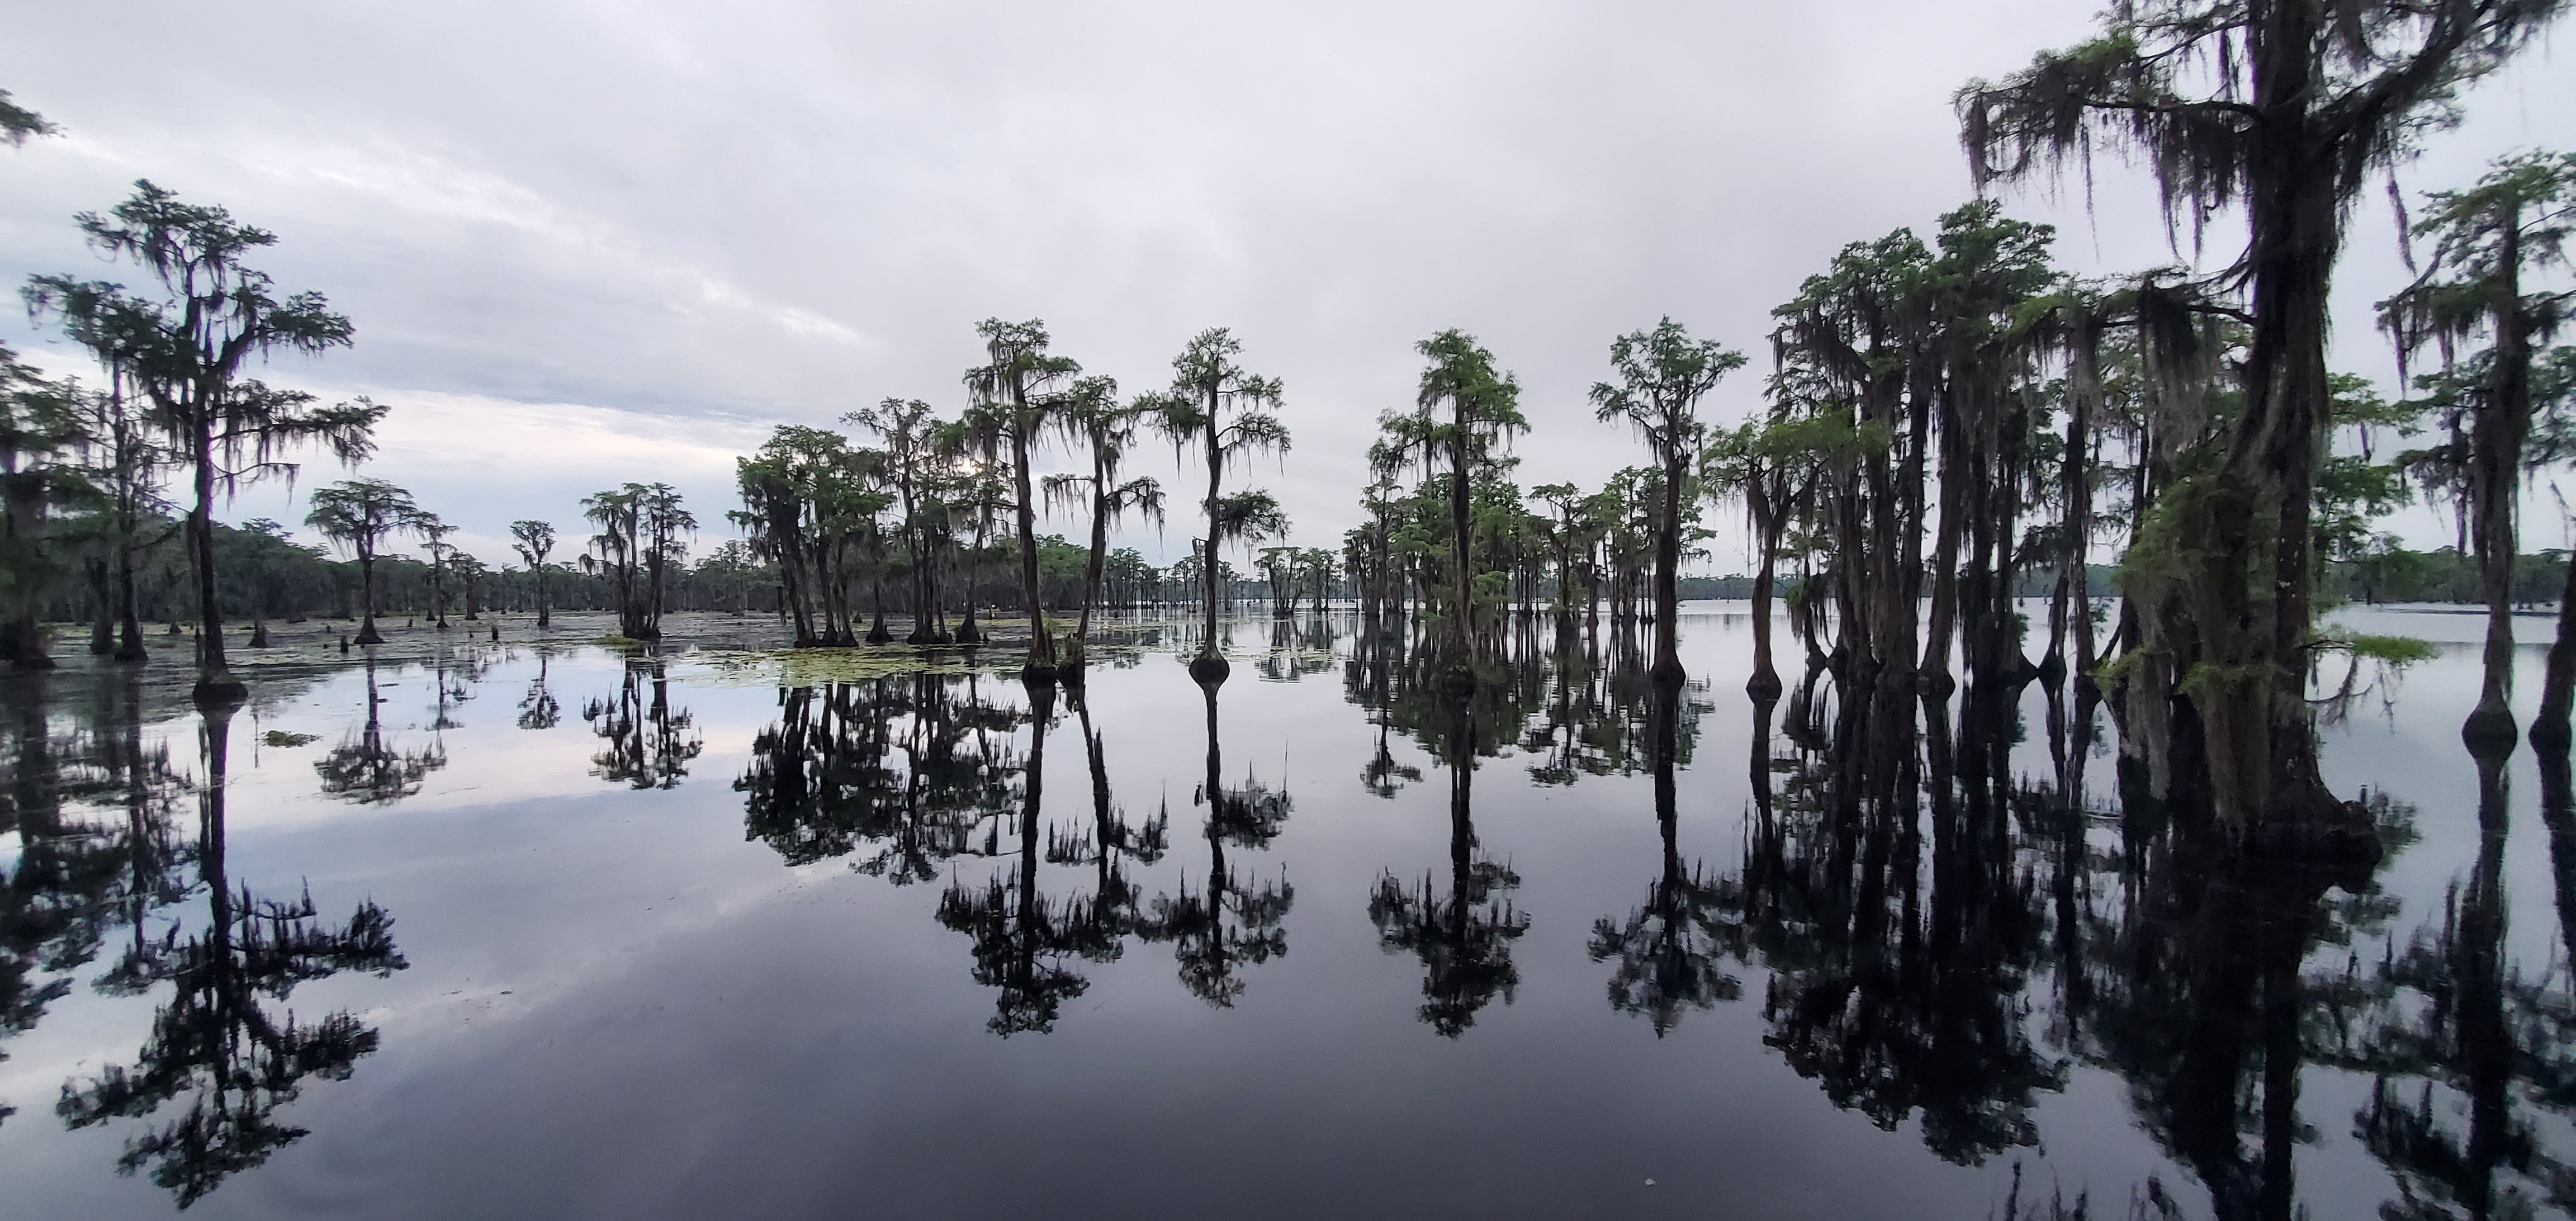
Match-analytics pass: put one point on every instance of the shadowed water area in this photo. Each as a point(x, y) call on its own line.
point(543, 928)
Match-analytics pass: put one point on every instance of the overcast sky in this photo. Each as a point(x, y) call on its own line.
point(586, 243)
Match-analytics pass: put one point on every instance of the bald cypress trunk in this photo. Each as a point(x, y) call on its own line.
point(2296, 233)
point(2549, 727)
point(1210, 666)
point(1668, 562)
point(1041, 660)
point(1764, 686)
point(2496, 451)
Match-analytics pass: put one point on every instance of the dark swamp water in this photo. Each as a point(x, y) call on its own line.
point(560, 932)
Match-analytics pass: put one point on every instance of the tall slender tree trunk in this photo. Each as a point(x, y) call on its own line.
point(877, 633)
point(1462, 577)
point(102, 593)
point(2079, 507)
point(1945, 575)
point(1765, 683)
point(1041, 662)
point(1668, 562)
point(1099, 560)
point(215, 681)
point(367, 633)
point(2495, 444)
point(2549, 727)
point(2270, 774)
point(1210, 667)
point(651, 612)
point(129, 609)
point(972, 574)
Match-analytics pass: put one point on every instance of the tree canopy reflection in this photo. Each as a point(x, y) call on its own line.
point(104, 869)
point(1236, 918)
point(913, 776)
point(1461, 927)
point(367, 768)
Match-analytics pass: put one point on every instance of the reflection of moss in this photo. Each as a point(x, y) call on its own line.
point(280, 737)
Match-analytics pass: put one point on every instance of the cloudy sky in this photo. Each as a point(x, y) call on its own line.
point(586, 243)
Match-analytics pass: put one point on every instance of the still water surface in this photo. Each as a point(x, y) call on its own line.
point(548, 930)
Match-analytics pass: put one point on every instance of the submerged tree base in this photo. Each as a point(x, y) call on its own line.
point(2323, 832)
point(220, 692)
point(1210, 669)
point(2490, 730)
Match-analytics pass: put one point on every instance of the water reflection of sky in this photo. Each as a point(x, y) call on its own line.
point(620, 1004)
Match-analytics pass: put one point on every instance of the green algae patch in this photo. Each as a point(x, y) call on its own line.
point(823, 667)
point(2394, 650)
point(283, 738)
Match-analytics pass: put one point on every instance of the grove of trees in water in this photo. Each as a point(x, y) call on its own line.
point(1950, 422)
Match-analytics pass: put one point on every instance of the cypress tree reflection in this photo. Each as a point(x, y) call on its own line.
point(1366, 682)
point(76, 875)
point(1298, 648)
point(2459, 1042)
point(214, 1043)
point(1898, 997)
point(916, 767)
point(1024, 941)
point(900, 764)
point(2461, 1039)
point(1668, 951)
point(819, 778)
point(1107, 845)
point(1236, 920)
point(43, 918)
point(2558, 815)
point(366, 769)
point(138, 779)
point(539, 709)
point(1463, 935)
point(1572, 705)
point(648, 745)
